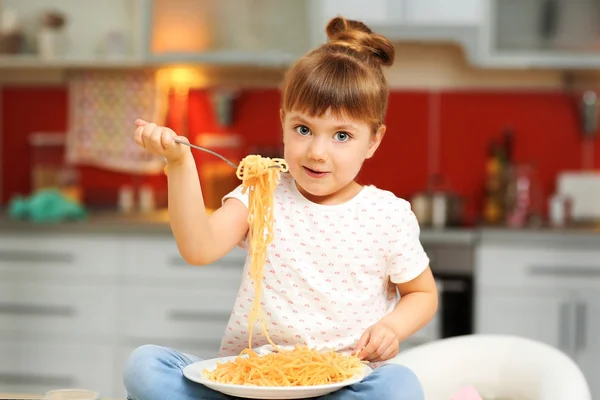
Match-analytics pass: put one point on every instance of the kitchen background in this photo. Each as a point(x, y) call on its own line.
point(492, 134)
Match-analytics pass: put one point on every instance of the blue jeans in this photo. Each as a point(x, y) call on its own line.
point(156, 373)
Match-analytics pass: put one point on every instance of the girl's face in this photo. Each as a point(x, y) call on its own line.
point(325, 154)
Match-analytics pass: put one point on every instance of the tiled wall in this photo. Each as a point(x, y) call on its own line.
point(446, 132)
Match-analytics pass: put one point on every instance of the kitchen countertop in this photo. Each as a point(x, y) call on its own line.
point(158, 223)
point(579, 236)
point(111, 223)
point(97, 223)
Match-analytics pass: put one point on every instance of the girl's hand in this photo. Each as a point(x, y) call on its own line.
point(159, 140)
point(378, 343)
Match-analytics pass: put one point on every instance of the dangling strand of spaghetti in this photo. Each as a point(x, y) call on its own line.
point(260, 177)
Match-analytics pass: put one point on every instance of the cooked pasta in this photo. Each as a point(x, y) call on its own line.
point(259, 176)
point(298, 367)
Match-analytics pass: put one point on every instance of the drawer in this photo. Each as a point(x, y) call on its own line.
point(159, 258)
point(58, 256)
point(34, 367)
point(526, 266)
point(176, 313)
point(42, 309)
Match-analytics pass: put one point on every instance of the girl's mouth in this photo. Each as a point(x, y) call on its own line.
point(315, 174)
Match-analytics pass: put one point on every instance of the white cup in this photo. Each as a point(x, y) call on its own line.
point(52, 43)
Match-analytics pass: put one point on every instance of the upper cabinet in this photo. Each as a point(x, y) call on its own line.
point(456, 21)
point(274, 33)
point(457, 12)
point(263, 33)
point(268, 33)
point(541, 34)
point(404, 12)
point(77, 33)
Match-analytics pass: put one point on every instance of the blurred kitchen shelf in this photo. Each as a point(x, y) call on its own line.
point(220, 58)
point(33, 61)
point(227, 58)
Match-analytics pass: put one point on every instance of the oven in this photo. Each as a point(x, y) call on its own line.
point(452, 263)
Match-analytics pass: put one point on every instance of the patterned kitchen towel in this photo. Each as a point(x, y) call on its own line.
point(103, 106)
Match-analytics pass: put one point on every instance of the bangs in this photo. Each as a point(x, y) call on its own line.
point(345, 88)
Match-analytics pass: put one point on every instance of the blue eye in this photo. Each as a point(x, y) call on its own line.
point(303, 130)
point(342, 136)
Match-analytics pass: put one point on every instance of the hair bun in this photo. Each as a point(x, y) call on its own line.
point(358, 36)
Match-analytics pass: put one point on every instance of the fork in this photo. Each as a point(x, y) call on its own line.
point(213, 153)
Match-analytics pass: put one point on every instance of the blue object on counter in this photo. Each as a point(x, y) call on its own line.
point(48, 205)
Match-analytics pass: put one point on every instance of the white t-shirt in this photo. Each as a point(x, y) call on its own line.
point(330, 269)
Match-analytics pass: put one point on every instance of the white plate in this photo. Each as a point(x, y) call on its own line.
point(194, 373)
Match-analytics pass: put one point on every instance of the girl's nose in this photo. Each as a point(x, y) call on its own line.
point(317, 150)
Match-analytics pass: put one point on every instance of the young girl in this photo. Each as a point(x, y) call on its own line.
point(340, 249)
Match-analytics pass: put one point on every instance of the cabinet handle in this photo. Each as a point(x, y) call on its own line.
point(26, 379)
point(566, 271)
point(563, 327)
point(17, 256)
point(33, 309)
point(206, 316)
point(581, 324)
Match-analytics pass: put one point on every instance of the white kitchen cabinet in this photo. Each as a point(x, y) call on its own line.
point(269, 33)
point(98, 34)
point(57, 258)
point(36, 367)
point(587, 345)
point(373, 11)
point(406, 20)
point(154, 259)
point(540, 314)
point(459, 12)
point(545, 290)
point(404, 11)
point(73, 305)
point(58, 310)
point(176, 313)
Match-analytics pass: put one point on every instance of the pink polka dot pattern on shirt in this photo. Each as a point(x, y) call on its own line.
point(330, 269)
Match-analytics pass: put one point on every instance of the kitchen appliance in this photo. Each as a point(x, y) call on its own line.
point(452, 264)
point(438, 209)
point(438, 206)
point(48, 166)
point(583, 190)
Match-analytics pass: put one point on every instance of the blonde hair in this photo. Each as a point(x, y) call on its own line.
point(343, 75)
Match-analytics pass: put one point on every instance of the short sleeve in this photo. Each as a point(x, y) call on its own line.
point(236, 194)
point(408, 259)
point(243, 197)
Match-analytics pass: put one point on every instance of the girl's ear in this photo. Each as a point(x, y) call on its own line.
point(376, 141)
